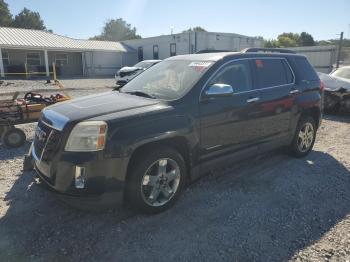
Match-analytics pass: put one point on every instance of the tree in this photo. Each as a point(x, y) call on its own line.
point(271, 43)
point(29, 20)
point(195, 29)
point(306, 39)
point(5, 15)
point(117, 30)
point(288, 40)
point(284, 41)
point(346, 42)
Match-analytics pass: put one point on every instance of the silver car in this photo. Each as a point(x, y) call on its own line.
point(337, 89)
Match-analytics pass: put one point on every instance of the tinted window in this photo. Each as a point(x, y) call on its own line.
point(289, 74)
point(172, 49)
point(237, 75)
point(271, 72)
point(33, 59)
point(140, 53)
point(5, 58)
point(305, 70)
point(155, 52)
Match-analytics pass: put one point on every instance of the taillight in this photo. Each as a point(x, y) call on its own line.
point(322, 86)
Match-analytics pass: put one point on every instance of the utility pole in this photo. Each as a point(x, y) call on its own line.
point(339, 48)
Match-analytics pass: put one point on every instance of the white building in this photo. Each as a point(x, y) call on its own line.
point(33, 52)
point(25, 52)
point(161, 47)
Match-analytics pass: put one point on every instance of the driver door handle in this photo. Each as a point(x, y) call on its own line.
point(252, 100)
point(294, 91)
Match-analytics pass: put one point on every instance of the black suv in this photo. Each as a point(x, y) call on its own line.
point(174, 122)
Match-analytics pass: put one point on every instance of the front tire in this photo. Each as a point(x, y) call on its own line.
point(156, 180)
point(304, 138)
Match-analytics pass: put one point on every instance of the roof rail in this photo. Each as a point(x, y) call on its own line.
point(267, 50)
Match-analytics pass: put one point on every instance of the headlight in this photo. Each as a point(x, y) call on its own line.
point(87, 136)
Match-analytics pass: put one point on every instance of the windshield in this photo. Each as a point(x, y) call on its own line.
point(342, 72)
point(144, 64)
point(168, 80)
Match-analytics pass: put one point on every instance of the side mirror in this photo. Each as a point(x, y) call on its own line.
point(219, 90)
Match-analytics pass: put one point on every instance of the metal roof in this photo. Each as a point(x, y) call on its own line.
point(37, 39)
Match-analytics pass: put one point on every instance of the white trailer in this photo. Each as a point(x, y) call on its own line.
point(322, 58)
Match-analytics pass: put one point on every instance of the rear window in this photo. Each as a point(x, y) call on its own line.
point(305, 70)
point(272, 72)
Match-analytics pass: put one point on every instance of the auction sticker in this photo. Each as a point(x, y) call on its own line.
point(200, 66)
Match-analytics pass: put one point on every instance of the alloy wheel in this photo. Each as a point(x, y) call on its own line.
point(306, 137)
point(160, 182)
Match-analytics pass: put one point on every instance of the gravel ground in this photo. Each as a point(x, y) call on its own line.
point(75, 87)
point(277, 209)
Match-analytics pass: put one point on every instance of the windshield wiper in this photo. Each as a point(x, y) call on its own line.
point(140, 93)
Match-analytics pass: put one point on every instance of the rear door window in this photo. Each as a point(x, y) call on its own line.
point(289, 73)
point(272, 72)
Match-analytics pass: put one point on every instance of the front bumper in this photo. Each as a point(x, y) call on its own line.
point(337, 99)
point(104, 178)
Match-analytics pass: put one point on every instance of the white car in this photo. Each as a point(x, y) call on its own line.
point(127, 73)
point(337, 89)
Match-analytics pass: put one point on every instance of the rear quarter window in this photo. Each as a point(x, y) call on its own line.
point(272, 72)
point(305, 69)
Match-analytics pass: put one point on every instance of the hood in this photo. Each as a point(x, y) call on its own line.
point(97, 105)
point(128, 70)
point(333, 83)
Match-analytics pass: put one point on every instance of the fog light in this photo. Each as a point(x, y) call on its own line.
point(79, 177)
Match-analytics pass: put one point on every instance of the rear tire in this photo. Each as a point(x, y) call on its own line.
point(13, 138)
point(156, 180)
point(304, 138)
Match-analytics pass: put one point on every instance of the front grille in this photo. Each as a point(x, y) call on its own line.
point(46, 141)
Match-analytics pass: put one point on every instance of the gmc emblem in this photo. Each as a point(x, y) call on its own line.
point(40, 135)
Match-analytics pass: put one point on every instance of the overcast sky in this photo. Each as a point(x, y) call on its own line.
point(324, 19)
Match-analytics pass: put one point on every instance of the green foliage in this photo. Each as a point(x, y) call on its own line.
point(195, 29)
point(29, 20)
point(25, 19)
point(306, 39)
point(5, 15)
point(346, 42)
point(290, 40)
point(285, 41)
point(117, 30)
point(271, 43)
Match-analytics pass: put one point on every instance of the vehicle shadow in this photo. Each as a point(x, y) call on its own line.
point(265, 211)
point(11, 153)
point(339, 117)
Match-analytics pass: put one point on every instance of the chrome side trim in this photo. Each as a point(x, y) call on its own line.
point(44, 148)
point(58, 121)
point(34, 155)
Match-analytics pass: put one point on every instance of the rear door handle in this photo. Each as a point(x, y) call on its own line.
point(294, 91)
point(252, 100)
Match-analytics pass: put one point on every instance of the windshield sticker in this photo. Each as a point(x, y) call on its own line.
point(200, 66)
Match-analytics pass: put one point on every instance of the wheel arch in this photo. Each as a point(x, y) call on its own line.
point(313, 112)
point(178, 143)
